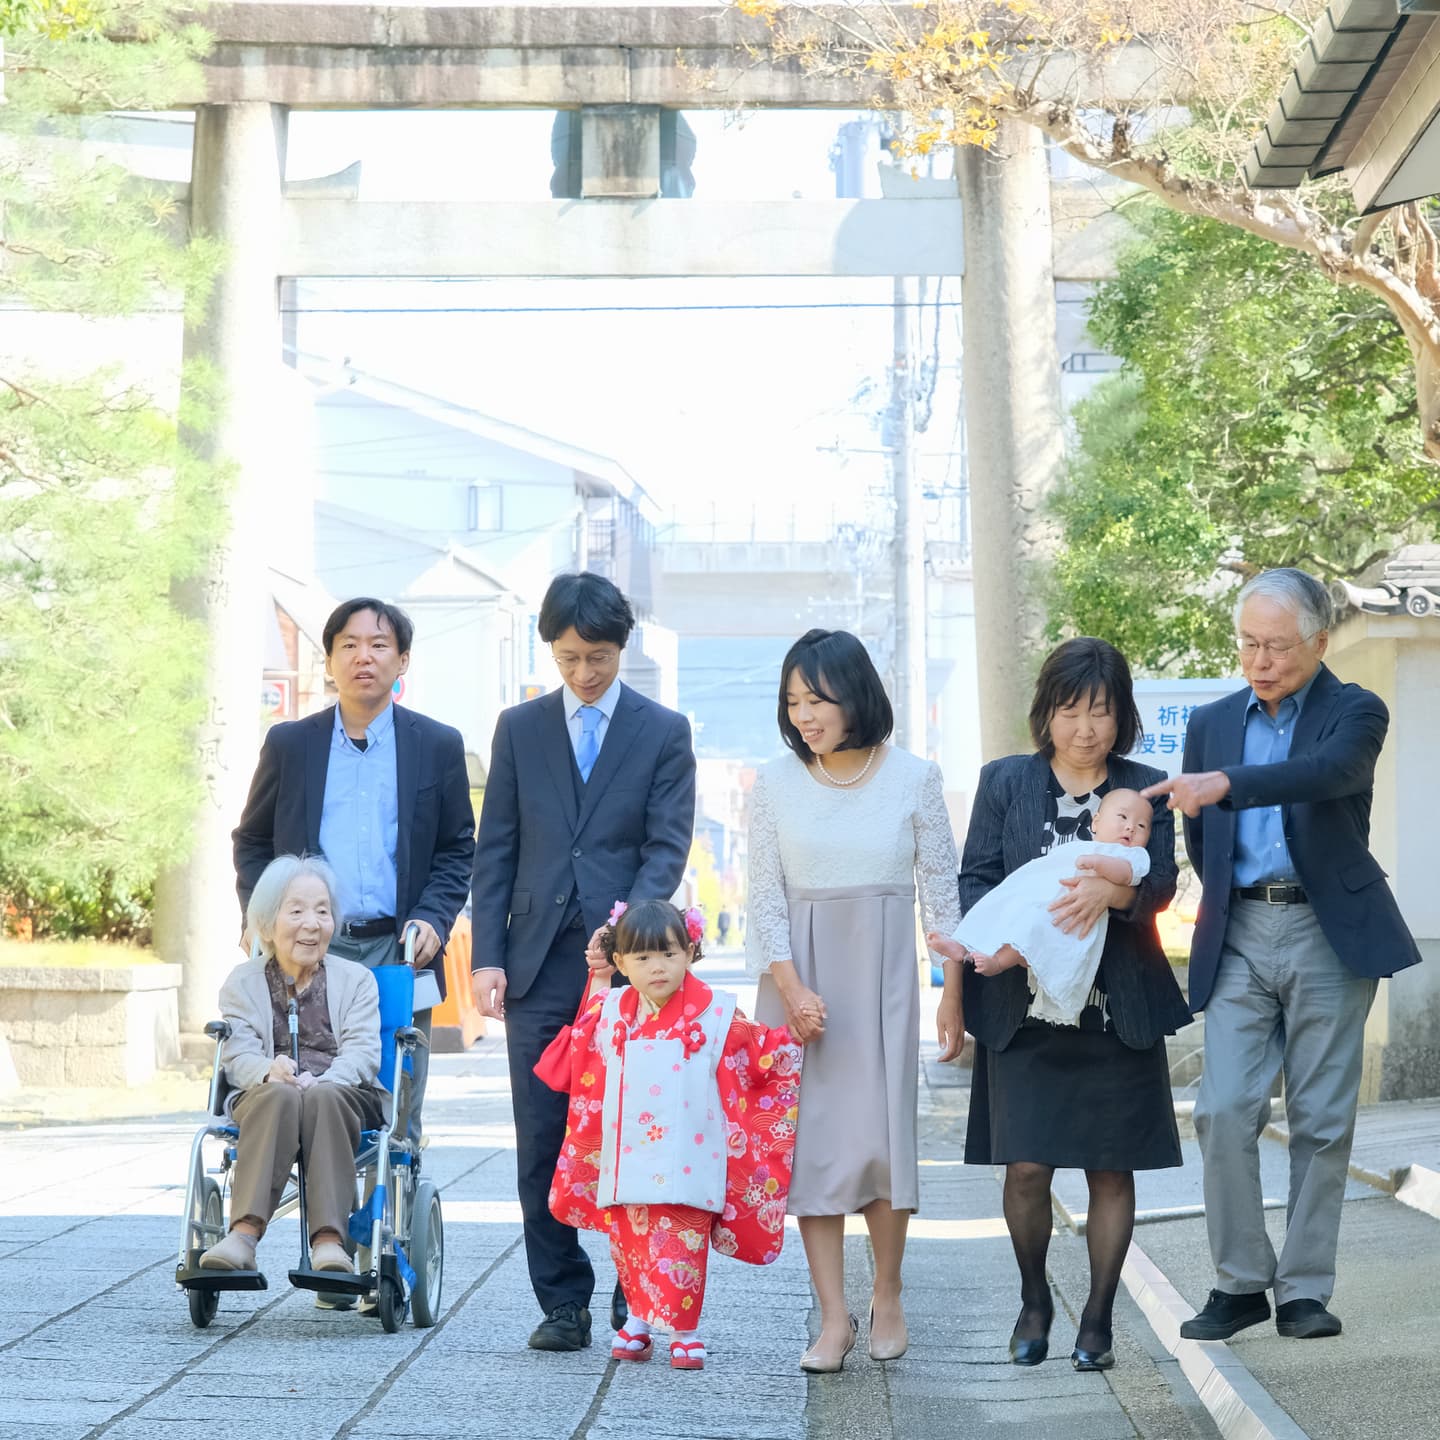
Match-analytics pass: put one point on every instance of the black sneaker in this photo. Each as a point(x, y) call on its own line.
point(566, 1327)
point(1305, 1320)
point(1224, 1315)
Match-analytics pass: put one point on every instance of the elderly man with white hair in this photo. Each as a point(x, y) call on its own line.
point(314, 1111)
point(1296, 927)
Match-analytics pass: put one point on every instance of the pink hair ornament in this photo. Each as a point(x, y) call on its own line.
point(695, 924)
point(616, 911)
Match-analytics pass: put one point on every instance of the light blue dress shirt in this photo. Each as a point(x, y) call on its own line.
point(575, 725)
point(1261, 855)
point(360, 821)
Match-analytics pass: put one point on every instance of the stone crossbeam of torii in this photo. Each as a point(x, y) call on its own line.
point(619, 67)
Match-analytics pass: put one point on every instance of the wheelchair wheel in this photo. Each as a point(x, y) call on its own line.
point(204, 1303)
point(391, 1303)
point(427, 1255)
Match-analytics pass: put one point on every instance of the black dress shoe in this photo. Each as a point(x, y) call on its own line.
point(619, 1309)
point(1305, 1320)
point(1029, 1352)
point(1224, 1315)
point(566, 1327)
point(1092, 1359)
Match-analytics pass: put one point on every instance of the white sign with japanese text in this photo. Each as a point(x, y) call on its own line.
point(1165, 707)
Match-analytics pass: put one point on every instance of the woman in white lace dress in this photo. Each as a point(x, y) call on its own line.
point(843, 831)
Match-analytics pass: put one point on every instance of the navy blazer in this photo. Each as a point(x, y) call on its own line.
point(545, 837)
point(435, 841)
point(1324, 791)
point(1007, 823)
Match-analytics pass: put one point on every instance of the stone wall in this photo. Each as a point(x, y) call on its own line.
point(1398, 657)
point(89, 1025)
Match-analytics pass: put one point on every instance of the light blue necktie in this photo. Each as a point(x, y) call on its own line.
point(589, 751)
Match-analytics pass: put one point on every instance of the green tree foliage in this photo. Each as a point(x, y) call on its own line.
point(1263, 417)
point(103, 510)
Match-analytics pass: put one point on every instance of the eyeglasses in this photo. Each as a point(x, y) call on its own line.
point(600, 659)
point(1250, 648)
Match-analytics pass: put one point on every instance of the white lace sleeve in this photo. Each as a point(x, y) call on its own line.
point(936, 863)
point(767, 927)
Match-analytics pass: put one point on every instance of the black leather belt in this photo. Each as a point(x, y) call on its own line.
point(368, 929)
point(1274, 894)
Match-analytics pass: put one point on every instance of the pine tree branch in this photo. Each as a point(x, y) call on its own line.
point(27, 396)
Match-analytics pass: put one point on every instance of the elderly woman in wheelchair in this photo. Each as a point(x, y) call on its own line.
point(314, 1111)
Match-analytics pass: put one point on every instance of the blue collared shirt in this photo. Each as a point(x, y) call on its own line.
point(575, 725)
point(1261, 855)
point(360, 821)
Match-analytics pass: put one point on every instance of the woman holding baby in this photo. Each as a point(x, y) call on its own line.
point(1085, 1084)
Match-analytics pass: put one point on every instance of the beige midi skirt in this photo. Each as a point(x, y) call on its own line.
point(855, 1140)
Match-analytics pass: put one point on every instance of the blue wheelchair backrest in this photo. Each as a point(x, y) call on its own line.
point(397, 1008)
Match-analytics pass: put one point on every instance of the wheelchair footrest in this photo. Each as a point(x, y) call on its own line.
point(192, 1277)
point(339, 1282)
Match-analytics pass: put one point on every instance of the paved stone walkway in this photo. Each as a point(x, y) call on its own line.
point(96, 1341)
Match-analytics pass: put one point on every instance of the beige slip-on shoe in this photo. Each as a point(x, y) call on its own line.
point(235, 1252)
point(328, 1255)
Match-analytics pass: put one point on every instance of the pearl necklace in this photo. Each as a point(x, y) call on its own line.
point(854, 779)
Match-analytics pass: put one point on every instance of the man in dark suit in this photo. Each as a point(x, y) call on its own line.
point(1296, 926)
point(590, 799)
point(384, 795)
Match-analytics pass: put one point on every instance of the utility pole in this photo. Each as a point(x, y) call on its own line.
point(910, 690)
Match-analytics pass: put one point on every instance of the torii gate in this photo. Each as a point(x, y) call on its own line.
point(619, 65)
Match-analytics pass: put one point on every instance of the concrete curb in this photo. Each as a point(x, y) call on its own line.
point(1240, 1406)
point(1414, 1185)
point(1420, 1189)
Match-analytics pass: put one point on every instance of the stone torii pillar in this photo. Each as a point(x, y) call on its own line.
point(1013, 419)
point(235, 196)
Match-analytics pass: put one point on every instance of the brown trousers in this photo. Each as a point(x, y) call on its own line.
point(322, 1126)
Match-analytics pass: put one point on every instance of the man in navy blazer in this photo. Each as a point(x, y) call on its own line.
point(383, 794)
point(590, 799)
point(1296, 926)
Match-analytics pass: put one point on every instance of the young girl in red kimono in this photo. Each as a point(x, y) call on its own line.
point(681, 1128)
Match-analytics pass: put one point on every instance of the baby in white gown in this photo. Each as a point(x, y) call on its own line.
point(1012, 924)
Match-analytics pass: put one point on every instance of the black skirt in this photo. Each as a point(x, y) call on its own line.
point(1073, 1098)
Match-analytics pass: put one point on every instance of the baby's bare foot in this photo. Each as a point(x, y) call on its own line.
point(1007, 959)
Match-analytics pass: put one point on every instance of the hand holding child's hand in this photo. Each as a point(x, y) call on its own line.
point(596, 959)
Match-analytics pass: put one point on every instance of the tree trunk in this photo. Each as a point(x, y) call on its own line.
point(1014, 432)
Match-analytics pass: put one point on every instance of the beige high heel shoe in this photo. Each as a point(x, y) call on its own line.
point(894, 1349)
point(815, 1365)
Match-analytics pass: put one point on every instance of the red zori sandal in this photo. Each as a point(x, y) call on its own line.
point(631, 1347)
point(687, 1357)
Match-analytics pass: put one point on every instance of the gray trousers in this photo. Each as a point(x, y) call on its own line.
point(385, 950)
point(322, 1126)
point(1283, 1001)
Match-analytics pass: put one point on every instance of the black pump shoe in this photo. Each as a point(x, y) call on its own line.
point(1092, 1359)
point(1030, 1352)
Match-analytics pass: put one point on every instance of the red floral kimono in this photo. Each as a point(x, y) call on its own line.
point(680, 1137)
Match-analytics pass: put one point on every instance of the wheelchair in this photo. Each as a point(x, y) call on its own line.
point(397, 1214)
